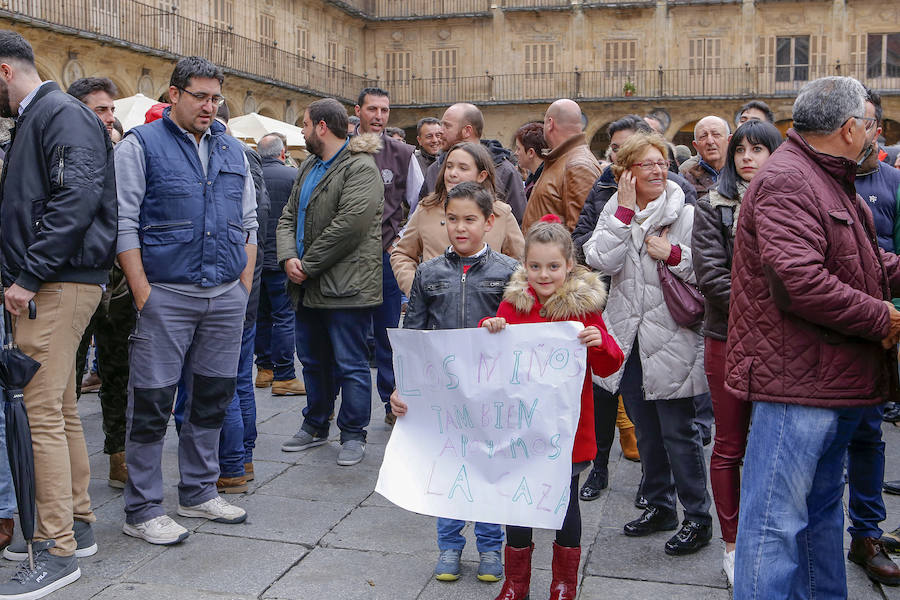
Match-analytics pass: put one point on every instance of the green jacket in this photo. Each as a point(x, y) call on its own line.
point(341, 233)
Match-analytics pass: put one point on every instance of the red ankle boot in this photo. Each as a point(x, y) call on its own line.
point(518, 574)
point(564, 585)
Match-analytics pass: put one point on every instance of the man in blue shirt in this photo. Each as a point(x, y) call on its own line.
point(329, 245)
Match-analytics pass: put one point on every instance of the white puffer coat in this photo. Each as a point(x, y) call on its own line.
point(671, 356)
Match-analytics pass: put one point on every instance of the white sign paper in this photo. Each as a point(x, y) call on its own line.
point(491, 423)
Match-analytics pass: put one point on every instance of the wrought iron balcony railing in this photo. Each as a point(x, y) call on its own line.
point(150, 29)
point(147, 28)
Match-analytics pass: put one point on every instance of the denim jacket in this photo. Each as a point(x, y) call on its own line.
point(445, 296)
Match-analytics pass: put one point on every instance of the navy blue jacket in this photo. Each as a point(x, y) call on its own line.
point(881, 192)
point(191, 223)
point(279, 181)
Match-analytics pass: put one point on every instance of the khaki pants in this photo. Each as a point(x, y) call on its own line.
point(62, 471)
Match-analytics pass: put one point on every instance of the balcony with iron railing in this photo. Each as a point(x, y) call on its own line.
point(146, 28)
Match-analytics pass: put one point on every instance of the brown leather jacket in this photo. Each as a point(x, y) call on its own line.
point(569, 172)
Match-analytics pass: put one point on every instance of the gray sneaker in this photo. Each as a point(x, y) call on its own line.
point(84, 540)
point(352, 451)
point(50, 573)
point(303, 440)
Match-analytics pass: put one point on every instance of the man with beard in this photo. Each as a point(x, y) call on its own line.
point(402, 180)
point(113, 319)
point(187, 244)
point(58, 232)
point(710, 140)
point(329, 244)
point(464, 122)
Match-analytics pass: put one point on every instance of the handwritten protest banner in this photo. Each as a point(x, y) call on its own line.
point(491, 423)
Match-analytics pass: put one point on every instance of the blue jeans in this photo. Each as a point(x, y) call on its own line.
point(488, 536)
point(865, 471)
point(789, 541)
point(331, 344)
point(238, 437)
point(275, 329)
point(386, 316)
point(7, 493)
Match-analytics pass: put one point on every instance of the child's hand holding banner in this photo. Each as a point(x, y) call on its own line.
point(491, 423)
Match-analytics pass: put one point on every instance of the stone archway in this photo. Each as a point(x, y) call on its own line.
point(266, 111)
point(685, 135)
point(783, 125)
point(890, 131)
point(600, 141)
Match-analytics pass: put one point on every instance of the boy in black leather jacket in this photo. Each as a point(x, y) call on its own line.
point(453, 291)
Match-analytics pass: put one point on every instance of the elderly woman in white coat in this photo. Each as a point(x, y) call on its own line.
point(645, 222)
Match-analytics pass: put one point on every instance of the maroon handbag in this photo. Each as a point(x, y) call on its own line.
point(684, 301)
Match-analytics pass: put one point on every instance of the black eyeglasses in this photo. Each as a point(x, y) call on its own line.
point(216, 99)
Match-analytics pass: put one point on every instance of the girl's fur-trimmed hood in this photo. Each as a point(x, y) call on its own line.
point(582, 293)
point(370, 143)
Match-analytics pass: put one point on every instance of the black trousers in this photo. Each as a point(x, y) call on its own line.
point(570, 533)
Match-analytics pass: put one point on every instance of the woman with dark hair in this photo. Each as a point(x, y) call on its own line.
point(715, 222)
point(425, 235)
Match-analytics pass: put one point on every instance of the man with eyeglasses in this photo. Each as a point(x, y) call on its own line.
point(187, 244)
point(711, 141)
point(812, 343)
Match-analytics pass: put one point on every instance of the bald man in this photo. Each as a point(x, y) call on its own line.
point(570, 169)
point(711, 141)
point(463, 122)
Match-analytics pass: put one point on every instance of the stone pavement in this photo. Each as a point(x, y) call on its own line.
point(317, 530)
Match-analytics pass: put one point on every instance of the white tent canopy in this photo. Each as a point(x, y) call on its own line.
point(130, 111)
point(253, 126)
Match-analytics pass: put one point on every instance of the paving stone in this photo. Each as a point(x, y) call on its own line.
point(283, 520)
point(325, 482)
point(602, 588)
point(221, 564)
point(87, 587)
point(388, 530)
point(143, 591)
point(268, 447)
point(643, 558)
point(353, 575)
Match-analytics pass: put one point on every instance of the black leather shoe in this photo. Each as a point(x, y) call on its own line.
point(891, 413)
point(654, 519)
point(891, 487)
point(691, 537)
point(595, 483)
point(640, 502)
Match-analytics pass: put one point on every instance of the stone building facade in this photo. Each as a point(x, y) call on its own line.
point(688, 58)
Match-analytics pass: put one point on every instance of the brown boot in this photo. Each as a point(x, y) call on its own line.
point(518, 573)
point(6, 532)
point(626, 434)
point(566, 561)
point(248, 471)
point(288, 387)
point(870, 555)
point(232, 485)
point(264, 378)
point(118, 470)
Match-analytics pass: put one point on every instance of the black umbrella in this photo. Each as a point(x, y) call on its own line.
point(16, 370)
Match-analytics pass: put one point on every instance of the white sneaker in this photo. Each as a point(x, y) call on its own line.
point(215, 509)
point(728, 567)
point(160, 530)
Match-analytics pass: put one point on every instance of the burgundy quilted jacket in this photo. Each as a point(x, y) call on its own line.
point(808, 283)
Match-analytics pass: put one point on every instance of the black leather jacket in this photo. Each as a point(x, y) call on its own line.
point(446, 296)
point(58, 208)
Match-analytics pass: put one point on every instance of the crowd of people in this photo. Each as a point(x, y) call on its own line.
point(194, 255)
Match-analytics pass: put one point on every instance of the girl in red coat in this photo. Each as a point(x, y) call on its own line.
point(549, 287)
